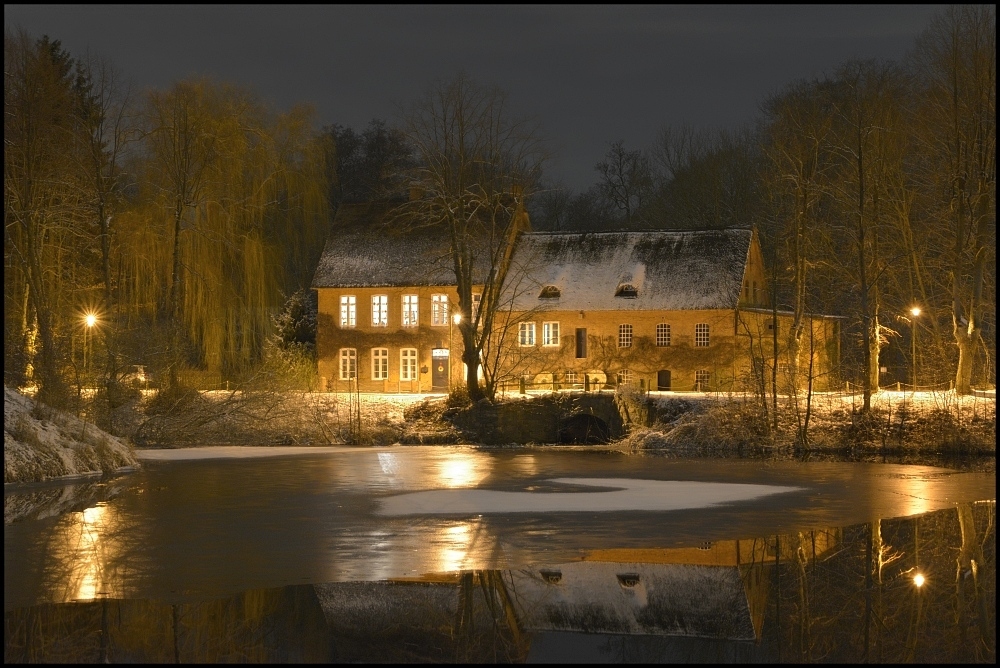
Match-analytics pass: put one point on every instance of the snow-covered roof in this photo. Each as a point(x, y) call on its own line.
point(369, 247)
point(636, 598)
point(365, 249)
point(655, 270)
point(664, 270)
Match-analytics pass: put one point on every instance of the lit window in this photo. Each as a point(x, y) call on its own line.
point(625, 377)
point(409, 311)
point(408, 364)
point(702, 380)
point(380, 363)
point(348, 363)
point(701, 338)
point(348, 311)
point(477, 299)
point(380, 310)
point(439, 309)
point(526, 334)
point(550, 333)
point(663, 335)
point(570, 378)
point(624, 336)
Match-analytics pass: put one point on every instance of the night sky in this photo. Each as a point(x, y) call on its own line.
point(589, 74)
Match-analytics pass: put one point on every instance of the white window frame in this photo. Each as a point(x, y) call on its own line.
point(625, 336)
point(570, 378)
point(702, 335)
point(380, 310)
point(702, 380)
point(526, 334)
point(550, 334)
point(348, 363)
point(380, 364)
point(663, 335)
point(348, 311)
point(624, 377)
point(408, 364)
point(477, 299)
point(411, 310)
point(439, 310)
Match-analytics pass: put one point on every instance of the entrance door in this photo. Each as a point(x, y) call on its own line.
point(581, 343)
point(663, 380)
point(439, 370)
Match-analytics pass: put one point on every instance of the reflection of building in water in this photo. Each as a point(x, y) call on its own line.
point(717, 590)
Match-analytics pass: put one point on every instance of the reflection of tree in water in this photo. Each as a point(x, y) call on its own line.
point(862, 603)
point(840, 595)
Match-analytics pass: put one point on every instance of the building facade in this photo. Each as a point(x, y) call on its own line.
point(661, 310)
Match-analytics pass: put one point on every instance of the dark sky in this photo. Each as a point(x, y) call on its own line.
point(589, 74)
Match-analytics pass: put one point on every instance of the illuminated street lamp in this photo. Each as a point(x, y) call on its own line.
point(918, 580)
point(914, 311)
point(89, 320)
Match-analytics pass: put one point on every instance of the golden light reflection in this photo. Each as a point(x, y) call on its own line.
point(89, 554)
point(462, 470)
point(918, 495)
point(525, 464)
point(452, 545)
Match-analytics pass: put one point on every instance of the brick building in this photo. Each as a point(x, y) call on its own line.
point(664, 310)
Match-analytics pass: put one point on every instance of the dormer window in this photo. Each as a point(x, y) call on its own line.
point(627, 290)
point(549, 292)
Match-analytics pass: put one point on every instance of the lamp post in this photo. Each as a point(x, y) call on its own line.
point(89, 320)
point(914, 311)
point(452, 321)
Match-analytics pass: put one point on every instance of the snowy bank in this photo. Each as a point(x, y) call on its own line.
point(41, 443)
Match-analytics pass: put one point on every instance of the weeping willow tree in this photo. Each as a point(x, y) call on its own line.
point(230, 215)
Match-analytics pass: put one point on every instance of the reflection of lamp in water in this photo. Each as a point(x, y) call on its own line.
point(461, 471)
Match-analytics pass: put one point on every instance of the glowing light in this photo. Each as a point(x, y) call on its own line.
point(90, 319)
point(90, 554)
point(453, 547)
point(915, 311)
point(457, 318)
point(461, 471)
point(918, 580)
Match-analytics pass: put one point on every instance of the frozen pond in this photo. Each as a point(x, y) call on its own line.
point(211, 524)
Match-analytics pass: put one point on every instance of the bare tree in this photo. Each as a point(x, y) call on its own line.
point(477, 163)
point(626, 181)
point(867, 112)
point(956, 60)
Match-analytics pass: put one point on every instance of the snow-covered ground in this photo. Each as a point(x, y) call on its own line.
point(40, 443)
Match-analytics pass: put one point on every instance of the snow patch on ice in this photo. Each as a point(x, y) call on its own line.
point(619, 494)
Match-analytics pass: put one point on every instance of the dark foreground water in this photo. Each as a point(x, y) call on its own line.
point(451, 553)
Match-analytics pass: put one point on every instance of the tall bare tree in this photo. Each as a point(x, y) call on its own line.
point(478, 161)
point(626, 181)
point(867, 111)
point(956, 62)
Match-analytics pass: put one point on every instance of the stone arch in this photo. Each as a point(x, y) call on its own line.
point(584, 428)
